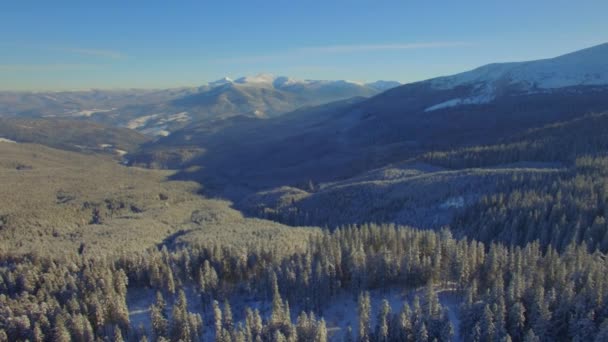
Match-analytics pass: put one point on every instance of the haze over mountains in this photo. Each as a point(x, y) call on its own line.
point(160, 112)
point(348, 137)
point(501, 171)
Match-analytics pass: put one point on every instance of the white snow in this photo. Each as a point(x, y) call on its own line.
point(383, 85)
point(453, 202)
point(588, 67)
point(259, 78)
point(156, 131)
point(52, 98)
point(89, 112)
point(479, 99)
point(584, 67)
point(270, 80)
point(338, 315)
point(140, 121)
point(4, 140)
point(283, 81)
point(179, 117)
point(220, 82)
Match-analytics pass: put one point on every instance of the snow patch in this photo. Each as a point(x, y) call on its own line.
point(160, 131)
point(259, 78)
point(453, 202)
point(220, 82)
point(140, 121)
point(383, 85)
point(338, 314)
point(88, 112)
point(4, 140)
point(479, 99)
point(179, 117)
point(588, 67)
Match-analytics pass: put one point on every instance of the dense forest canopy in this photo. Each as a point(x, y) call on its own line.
point(470, 207)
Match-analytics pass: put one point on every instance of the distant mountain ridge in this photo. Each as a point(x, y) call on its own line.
point(587, 67)
point(160, 112)
point(283, 82)
point(345, 139)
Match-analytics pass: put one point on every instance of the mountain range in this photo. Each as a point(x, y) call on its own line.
point(160, 112)
point(488, 188)
point(487, 105)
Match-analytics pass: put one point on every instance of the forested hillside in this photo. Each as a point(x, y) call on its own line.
point(509, 293)
point(470, 207)
point(72, 135)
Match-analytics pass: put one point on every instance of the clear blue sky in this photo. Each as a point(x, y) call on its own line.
point(118, 44)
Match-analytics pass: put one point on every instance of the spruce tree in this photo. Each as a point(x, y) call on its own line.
point(364, 317)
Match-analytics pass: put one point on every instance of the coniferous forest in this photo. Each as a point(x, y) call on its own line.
point(367, 197)
point(517, 293)
point(524, 263)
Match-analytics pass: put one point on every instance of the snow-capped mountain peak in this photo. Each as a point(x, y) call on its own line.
point(280, 82)
point(584, 67)
point(220, 82)
point(588, 67)
point(383, 85)
point(257, 79)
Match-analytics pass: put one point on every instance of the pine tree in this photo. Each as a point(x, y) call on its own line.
point(431, 303)
point(279, 337)
point(531, 336)
point(447, 329)
point(488, 329)
point(60, 332)
point(276, 317)
point(228, 322)
point(217, 314)
point(517, 320)
point(422, 334)
point(38, 334)
point(321, 334)
point(160, 325)
point(196, 326)
point(405, 323)
point(118, 335)
point(382, 330)
point(364, 317)
point(180, 323)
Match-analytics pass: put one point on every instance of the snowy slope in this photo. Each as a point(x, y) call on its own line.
point(284, 82)
point(383, 85)
point(588, 67)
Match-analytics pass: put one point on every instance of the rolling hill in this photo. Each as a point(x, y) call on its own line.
point(160, 112)
point(72, 135)
point(347, 138)
point(58, 203)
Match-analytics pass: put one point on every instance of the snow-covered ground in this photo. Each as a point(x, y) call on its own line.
point(178, 117)
point(140, 121)
point(586, 67)
point(4, 140)
point(338, 315)
point(89, 112)
point(583, 67)
point(160, 131)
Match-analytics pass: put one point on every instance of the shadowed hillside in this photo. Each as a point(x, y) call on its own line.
point(73, 135)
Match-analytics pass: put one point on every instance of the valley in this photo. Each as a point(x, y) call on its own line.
point(469, 207)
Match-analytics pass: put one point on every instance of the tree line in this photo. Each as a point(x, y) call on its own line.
point(515, 293)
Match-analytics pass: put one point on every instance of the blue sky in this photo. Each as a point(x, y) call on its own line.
point(56, 45)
